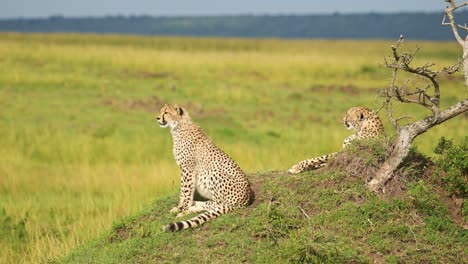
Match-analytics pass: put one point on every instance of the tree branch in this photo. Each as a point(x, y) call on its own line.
point(449, 13)
point(463, 27)
point(402, 61)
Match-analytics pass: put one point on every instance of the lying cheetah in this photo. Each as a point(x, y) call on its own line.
point(367, 125)
point(205, 168)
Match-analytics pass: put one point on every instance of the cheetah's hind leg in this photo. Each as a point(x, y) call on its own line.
point(212, 212)
point(200, 206)
point(197, 206)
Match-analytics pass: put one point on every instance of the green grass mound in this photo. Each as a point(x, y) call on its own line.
point(324, 216)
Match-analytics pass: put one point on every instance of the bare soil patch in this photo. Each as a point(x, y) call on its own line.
point(149, 75)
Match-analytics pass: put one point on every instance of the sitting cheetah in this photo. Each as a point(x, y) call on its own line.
point(205, 168)
point(367, 125)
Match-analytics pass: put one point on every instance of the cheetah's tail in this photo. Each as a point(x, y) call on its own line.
point(198, 220)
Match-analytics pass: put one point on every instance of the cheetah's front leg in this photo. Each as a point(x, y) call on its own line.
point(178, 207)
point(187, 190)
point(348, 140)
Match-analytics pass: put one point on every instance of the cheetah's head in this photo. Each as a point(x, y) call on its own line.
point(355, 116)
point(170, 115)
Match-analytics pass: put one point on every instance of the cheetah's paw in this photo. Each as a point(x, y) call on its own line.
point(175, 210)
point(181, 214)
point(294, 170)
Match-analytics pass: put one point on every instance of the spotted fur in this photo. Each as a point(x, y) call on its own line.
point(367, 125)
point(205, 168)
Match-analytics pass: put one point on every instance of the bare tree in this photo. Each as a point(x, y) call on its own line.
point(411, 92)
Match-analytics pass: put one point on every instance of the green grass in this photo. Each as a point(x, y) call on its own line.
point(347, 224)
point(80, 147)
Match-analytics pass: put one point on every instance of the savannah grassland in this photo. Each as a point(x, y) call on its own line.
point(80, 148)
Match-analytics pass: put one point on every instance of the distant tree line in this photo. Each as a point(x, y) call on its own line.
point(421, 26)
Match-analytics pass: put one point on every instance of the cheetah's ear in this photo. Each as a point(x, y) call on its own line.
point(179, 109)
point(362, 116)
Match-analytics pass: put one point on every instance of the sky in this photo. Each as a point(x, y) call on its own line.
point(80, 8)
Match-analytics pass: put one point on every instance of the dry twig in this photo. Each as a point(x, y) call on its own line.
point(304, 213)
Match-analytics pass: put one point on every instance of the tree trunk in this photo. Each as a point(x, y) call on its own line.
point(465, 61)
point(405, 137)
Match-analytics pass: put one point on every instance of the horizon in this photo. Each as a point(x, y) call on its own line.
point(27, 9)
point(226, 15)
